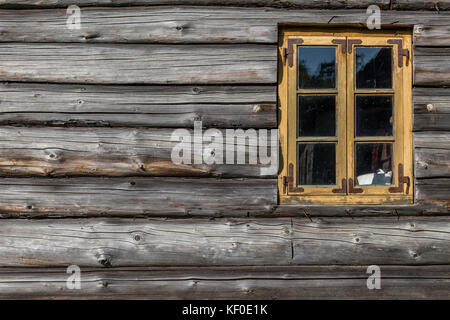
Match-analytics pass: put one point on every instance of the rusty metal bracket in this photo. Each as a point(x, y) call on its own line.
point(288, 181)
point(352, 42)
point(351, 189)
point(289, 52)
point(401, 52)
point(343, 189)
point(401, 181)
point(343, 44)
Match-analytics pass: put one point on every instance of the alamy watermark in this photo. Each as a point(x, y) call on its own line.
point(74, 280)
point(74, 17)
point(374, 280)
point(236, 146)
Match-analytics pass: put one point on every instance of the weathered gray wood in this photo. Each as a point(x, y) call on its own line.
point(142, 242)
point(150, 106)
point(432, 140)
point(294, 282)
point(296, 4)
point(433, 190)
point(431, 109)
point(246, 3)
point(135, 196)
point(201, 24)
point(432, 163)
point(118, 152)
point(421, 5)
point(352, 211)
point(138, 64)
point(432, 66)
point(431, 154)
point(155, 64)
point(375, 241)
point(172, 106)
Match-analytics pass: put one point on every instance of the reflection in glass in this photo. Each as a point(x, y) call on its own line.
point(373, 163)
point(316, 164)
point(373, 115)
point(316, 116)
point(373, 67)
point(316, 67)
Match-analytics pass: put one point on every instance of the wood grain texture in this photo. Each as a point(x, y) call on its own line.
point(143, 242)
point(432, 154)
point(295, 4)
point(209, 24)
point(374, 241)
point(271, 282)
point(135, 196)
point(244, 3)
point(136, 106)
point(56, 152)
point(154, 64)
point(431, 109)
point(138, 64)
point(432, 67)
point(172, 106)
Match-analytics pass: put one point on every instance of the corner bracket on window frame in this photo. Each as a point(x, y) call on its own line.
point(401, 181)
point(288, 53)
point(343, 189)
point(352, 189)
point(288, 181)
point(401, 51)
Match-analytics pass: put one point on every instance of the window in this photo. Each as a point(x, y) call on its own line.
point(345, 116)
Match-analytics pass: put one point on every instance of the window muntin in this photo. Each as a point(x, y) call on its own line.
point(370, 116)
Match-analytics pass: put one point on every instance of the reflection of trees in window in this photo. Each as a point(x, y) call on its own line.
point(376, 72)
point(323, 76)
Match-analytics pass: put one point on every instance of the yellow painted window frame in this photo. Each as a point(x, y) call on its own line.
point(289, 192)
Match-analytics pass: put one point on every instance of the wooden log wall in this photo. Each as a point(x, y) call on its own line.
point(86, 117)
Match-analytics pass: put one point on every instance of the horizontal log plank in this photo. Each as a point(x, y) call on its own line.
point(172, 106)
point(431, 154)
point(135, 106)
point(241, 3)
point(433, 190)
point(143, 242)
point(351, 211)
point(155, 64)
point(201, 24)
point(352, 241)
point(135, 196)
point(138, 64)
point(432, 66)
point(293, 4)
point(124, 152)
point(431, 109)
point(294, 282)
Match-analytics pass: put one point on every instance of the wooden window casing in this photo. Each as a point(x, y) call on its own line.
point(401, 188)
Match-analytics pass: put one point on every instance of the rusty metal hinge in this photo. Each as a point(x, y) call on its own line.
point(289, 52)
point(401, 51)
point(351, 189)
point(288, 181)
point(343, 189)
point(343, 44)
point(352, 42)
point(401, 181)
point(346, 45)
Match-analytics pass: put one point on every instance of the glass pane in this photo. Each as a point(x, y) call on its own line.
point(316, 67)
point(373, 67)
point(373, 115)
point(316, 116)
point(374, 163)
point(316, 164)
